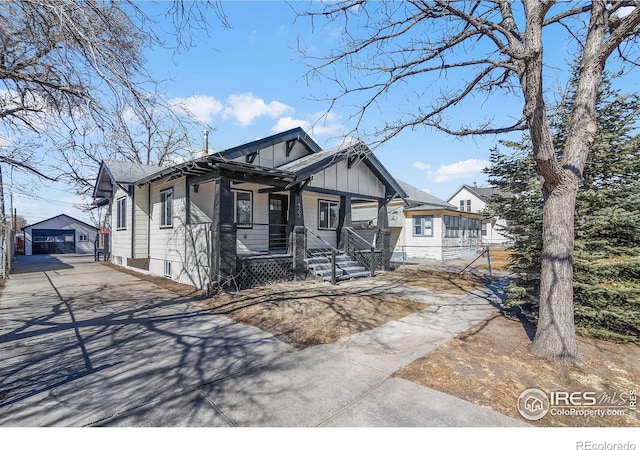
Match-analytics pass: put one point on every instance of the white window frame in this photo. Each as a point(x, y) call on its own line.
point(166, 208)
point(83, 237)
point(451, 231)
point(121, 213)
point(235, 208)
point(328, 205)
point(422, 220)
point(167, 269)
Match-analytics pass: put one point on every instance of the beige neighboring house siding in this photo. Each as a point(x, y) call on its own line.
point(423, 247)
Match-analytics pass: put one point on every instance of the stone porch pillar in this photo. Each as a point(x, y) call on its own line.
point(224, 258)
point(383, 242)
point(298, 237)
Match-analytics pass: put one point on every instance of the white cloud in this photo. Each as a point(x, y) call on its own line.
point(287, 123)
point(203, 107)
point(459, 170)
point(452, 172)
point(422, 166)
point(319, 124)
point(245, 108)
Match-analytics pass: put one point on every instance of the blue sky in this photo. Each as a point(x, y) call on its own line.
point(248, 82)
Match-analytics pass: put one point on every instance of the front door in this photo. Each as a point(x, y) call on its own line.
point(278, 208)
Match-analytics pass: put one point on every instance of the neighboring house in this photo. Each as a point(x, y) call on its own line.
point(247, 215)
point(475, 199)
point(59, 234)
point(423, 227)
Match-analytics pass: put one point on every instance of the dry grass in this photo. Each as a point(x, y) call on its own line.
point(428, 277)
point(308, 313)
point(499, 259)
point(490, 365)
point(303, 313)
point(183, 290)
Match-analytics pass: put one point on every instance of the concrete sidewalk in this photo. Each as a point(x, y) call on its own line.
point(85, 345)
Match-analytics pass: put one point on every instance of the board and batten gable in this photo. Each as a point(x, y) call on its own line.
point(358, 179)
point(276, 155)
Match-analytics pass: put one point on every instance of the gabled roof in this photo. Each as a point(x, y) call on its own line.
point(308, 165)
point(287, 175)
point(55, 217)
point(286, 136)
point(415, 195)
point(120, 173)
point(483, 193)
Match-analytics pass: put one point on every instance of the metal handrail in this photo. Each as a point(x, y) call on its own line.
point(322, 240)
point(352, 233)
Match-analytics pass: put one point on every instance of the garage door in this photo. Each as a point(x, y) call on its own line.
point(53, 241)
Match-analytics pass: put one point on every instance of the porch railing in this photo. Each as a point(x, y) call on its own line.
point(318, 247)
point(262, 238)
point(362, 251)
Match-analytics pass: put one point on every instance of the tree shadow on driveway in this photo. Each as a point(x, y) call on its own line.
point(87, 350)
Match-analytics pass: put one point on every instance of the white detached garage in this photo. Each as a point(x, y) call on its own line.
point(59, 234)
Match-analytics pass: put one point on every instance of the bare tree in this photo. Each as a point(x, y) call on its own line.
point(70, 71)
point(479, 49)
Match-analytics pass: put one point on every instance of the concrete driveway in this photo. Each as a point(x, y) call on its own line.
point(82, 344)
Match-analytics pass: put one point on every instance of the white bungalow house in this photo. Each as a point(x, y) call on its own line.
point(247, 215)
point(423, 227)
point(474, 199)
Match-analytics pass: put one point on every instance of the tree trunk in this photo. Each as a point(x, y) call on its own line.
point(555, 335)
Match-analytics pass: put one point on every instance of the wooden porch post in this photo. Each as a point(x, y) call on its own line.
point(344, 220)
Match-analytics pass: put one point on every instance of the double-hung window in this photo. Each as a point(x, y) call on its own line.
point(328, 214)
point(242, 209)
point(121, 213)
point(166, 208)
point(451, 226)
point(423, 226)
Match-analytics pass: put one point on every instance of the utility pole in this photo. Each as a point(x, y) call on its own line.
point(3, 242)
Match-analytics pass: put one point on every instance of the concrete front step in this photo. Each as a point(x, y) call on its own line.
point(320, 264)
point(348, 276)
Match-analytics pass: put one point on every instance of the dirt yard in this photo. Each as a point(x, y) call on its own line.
point(490, 365)
point(311, 313)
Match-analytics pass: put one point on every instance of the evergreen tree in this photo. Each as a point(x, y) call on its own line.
point(607, 245)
